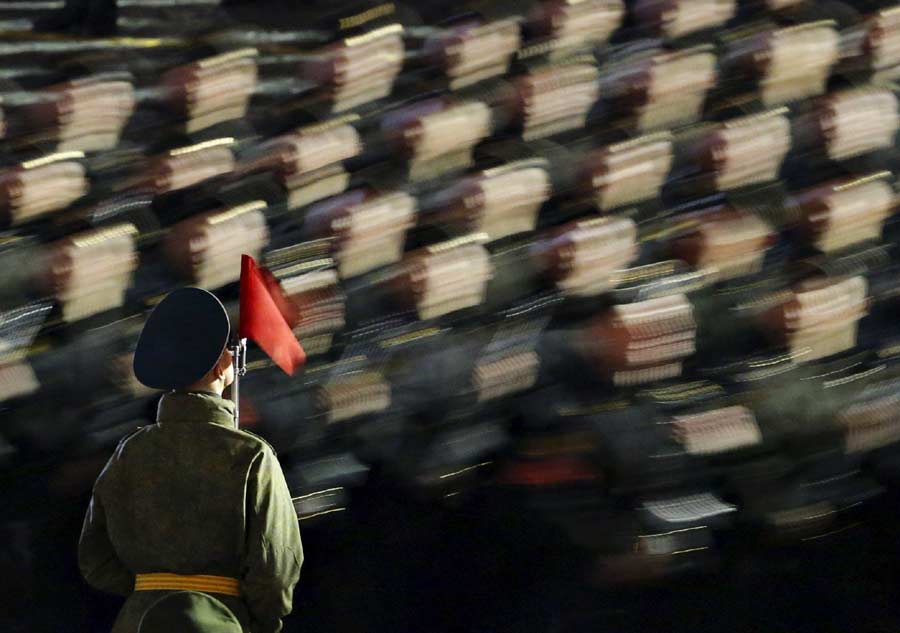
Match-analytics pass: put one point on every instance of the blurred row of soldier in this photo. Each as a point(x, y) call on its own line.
point(634, 264)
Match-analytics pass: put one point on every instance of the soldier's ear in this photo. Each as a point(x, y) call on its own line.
point(222, 366)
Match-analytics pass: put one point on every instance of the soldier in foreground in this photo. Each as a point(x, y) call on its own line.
point(192, 503)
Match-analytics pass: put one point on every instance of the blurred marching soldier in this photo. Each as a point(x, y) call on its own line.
point(192, 503)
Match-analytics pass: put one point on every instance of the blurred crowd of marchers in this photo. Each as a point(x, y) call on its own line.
point(596, 294)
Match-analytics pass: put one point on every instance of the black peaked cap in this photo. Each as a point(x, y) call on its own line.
point(182, 340)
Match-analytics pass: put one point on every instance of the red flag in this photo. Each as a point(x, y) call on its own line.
point(287, 308)
point(262, 321)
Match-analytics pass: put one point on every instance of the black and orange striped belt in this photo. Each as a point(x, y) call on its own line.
point(181, 582)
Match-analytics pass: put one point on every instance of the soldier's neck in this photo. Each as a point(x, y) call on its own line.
point(216, 387)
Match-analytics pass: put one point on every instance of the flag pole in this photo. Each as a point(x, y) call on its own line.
point(239, 358)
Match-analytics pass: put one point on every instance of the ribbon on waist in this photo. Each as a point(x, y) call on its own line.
point(181, 582)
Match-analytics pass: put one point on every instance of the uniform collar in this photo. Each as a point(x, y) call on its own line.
point(195, 406)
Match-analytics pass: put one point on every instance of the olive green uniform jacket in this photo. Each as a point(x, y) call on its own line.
point(193, 495)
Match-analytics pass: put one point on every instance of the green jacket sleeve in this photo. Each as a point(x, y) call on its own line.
point(97, 559)
point(274, 549)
